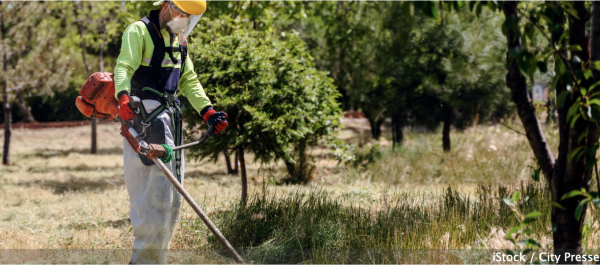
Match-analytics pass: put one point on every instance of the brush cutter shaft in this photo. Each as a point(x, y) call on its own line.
point(207, 135)
point(197, 209)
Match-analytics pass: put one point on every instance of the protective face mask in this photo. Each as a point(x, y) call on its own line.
point(178, 25)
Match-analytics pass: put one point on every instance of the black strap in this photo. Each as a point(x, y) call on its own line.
point(183, 50)
point(152, 23)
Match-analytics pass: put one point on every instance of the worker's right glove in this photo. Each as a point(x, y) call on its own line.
point(125, 111)
point(214, 118)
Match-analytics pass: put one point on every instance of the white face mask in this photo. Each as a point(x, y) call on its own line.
point(178, 25)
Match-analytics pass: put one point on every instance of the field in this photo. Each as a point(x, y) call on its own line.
point(58, 199)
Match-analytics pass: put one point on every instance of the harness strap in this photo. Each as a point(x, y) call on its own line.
point(167, 100)
point(170, 52)
point(153, 26)
point(176, 118)
point(177, 123)
point(184, 50)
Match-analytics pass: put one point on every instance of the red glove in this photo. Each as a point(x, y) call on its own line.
point(218, 119)
point(125, 111)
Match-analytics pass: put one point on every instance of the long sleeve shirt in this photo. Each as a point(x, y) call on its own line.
point(137, 48)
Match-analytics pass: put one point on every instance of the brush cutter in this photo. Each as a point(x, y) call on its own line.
point(97, 99)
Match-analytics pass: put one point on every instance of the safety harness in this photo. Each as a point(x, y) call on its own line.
point(155, 82)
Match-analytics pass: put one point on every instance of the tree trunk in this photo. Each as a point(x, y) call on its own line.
point(291, 168)
point(446, 130)
point(237, 162)
point(300, 171)
point(595, 37)
point(25, 110)
point(5, 103)
point(397, 130)
point(520, 95)
point(230, 169)
point(78, 21)
point(244, 176)
point(376, 128)
point(563, 176)
point(476, 119)
point(574, 174)
point(102, 47)
point(7, 124)
point(227, 161)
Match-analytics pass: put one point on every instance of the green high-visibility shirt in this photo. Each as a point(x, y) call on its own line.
point(137, 48)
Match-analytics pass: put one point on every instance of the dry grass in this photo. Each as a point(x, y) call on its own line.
point(55, 195)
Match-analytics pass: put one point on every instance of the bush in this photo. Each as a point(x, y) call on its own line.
point(278, 103)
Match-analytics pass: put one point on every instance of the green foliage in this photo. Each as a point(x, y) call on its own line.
point(276, 100)
point(45, 60)
point(390, 59)
point(59, 107)
point(373, 155)
point(588, 197)
point(520, 235)
point(37, 63)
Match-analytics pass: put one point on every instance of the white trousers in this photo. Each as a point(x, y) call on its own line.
point(154, 202)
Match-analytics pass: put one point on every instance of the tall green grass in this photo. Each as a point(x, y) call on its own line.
point(315, 228)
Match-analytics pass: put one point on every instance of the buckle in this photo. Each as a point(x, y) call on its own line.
point(170, 99)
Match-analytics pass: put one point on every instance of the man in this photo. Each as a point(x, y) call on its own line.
point(153, 65)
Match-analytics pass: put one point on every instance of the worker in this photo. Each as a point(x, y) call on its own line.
point(153, 65)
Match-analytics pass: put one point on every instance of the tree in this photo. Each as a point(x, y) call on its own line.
point(344, 36)
point(5, 103)
point(37, 64)
point(33, 63)
point(467, 73)
point(566, 173)
point(578, 105)
point(95, 28)
point(578, 112)
point(278, 103)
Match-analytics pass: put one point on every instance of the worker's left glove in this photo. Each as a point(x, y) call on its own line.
point(218, 119)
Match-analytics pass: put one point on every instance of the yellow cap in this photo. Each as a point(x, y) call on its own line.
point(192, 7)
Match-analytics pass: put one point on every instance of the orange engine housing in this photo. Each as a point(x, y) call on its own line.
point(98, 97)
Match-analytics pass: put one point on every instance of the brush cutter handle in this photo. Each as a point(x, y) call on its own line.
point(134, 104)
point(207, 135)
point(197, 209)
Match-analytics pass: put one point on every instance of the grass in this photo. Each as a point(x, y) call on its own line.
point(479, 155)
point(316, 228)
point(413, 205)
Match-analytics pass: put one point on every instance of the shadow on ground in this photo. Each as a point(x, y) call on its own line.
point(48, 153)
point(77, 168)
point(200, 174)
point(77, 184)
